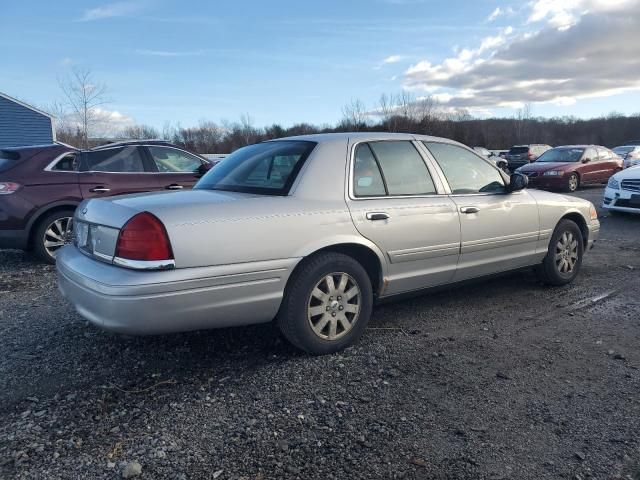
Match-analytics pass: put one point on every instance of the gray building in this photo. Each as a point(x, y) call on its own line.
point(22, 124)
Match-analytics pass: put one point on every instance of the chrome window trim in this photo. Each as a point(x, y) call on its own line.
point(145, 264)
point(54, 162)
point(440, 188)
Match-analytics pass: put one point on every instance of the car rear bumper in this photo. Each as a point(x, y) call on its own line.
point(147, 303)
point(14, 239)
point(620, 200)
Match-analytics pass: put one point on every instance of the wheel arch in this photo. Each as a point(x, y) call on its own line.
point(579, 220)
point(41, 213)
point(367, 254)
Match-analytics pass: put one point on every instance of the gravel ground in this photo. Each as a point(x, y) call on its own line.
point(501, 379)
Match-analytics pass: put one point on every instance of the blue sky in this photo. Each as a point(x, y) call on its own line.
point(292, 61)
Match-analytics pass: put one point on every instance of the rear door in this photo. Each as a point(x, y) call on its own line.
point(116, 171)
point(609, 163)
point(398, 203)
point(499, 230)
point(591, 168)
point(176, 168)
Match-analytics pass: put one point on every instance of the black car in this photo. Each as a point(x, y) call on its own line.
point(520, 155)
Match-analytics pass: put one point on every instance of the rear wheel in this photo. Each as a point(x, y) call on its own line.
point(562, 263)
point(52, 233)
point(327, 304)
point(573, 182)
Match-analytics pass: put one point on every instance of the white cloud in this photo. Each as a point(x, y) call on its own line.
point(499, 12)
point(393, 59)
point(111, 10)
point(589, 56)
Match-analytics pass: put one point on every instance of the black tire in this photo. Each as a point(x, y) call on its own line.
point(549, 271)
point(573, 183)
point(38, 239)
point(294, 318)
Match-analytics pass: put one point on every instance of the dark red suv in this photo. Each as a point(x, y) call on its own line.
point(41, 186)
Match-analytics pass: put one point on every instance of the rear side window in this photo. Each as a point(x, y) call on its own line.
point(116, 160)
point(268, 168)
point(403, 169)
point(367, 179)
point(465, 171)
point(170, 160)
point(66, 164)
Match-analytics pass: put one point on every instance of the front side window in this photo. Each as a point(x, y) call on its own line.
point(268, 168)
point(466, 172)
point(115, 160)
point(170, 160)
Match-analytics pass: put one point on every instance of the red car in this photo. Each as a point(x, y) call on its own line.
point(568, 167)
point(41, 186)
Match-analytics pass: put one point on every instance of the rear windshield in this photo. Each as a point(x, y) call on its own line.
point(566, 155)
point(8, 159)
point(268, 168)
point(623, 150)
point(518, 150)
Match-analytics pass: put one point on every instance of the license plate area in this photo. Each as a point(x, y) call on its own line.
point(97, 241)
point(634, 201)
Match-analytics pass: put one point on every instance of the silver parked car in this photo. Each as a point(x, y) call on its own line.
point(311, 231)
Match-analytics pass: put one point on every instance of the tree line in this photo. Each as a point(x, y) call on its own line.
point(84, 124)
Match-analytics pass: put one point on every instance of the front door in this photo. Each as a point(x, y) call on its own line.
point(499, 230)
point(177, 169)
point(395, 202)
point(115, 171)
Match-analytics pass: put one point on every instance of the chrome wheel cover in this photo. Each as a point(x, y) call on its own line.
point(566, 253)
point(58, 234)
point(334, 306)
point(573, 183)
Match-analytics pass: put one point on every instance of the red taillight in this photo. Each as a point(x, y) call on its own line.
point(144, 238)
point(8, 187)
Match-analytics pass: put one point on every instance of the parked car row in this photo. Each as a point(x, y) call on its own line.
point(41, 186)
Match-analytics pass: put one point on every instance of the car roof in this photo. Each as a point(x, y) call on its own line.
point(125, 143)
point(364, 136)
point(580, 146)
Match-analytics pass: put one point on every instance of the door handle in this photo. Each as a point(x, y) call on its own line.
point(373, 216)
point(469, 210)
point(100, 190)
point(174, 186)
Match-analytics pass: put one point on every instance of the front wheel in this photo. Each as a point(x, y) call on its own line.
point(327, 304)
point(562, 263)
point(52, 233)
point(573, 182)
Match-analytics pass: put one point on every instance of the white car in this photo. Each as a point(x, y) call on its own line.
point(630, 155)
point(623, 191)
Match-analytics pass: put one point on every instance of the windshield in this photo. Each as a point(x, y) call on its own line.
point(565, 155)
point(268, 168)
point(623, 150)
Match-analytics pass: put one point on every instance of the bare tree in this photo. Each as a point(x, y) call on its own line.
point(354, 115)
point(139, 132)
point(83, 98)
point(521, 123)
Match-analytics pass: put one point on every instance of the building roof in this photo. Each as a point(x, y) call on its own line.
point(26, 105)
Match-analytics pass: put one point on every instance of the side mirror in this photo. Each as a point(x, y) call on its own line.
point(586, 160)
point(203, 168)
point(517, 182)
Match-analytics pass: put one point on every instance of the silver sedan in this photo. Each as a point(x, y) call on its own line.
point(312, 231)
